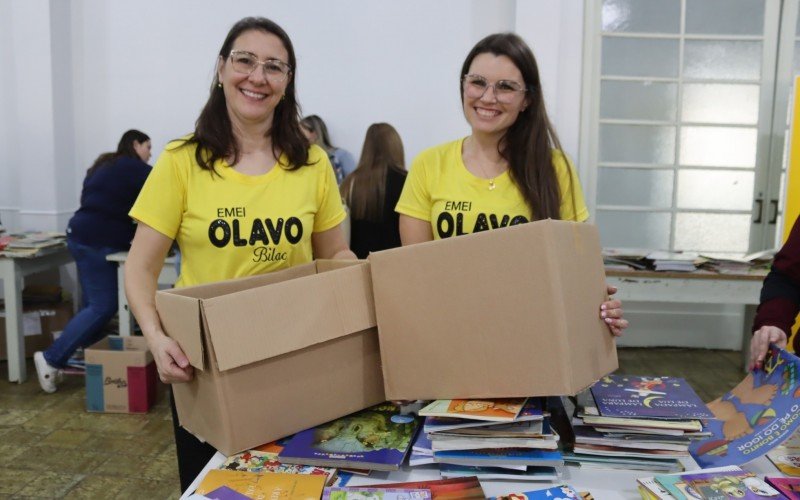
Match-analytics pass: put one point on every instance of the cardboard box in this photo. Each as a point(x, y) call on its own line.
point(39, 321)
point(275, 353)
point(121, 376)
point(512, 312)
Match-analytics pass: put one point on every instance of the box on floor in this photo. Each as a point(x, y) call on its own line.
point(121, 376)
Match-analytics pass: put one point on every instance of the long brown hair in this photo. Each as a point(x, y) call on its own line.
point(364, 190)
point(213, 132)
point(124, 148)
point(530, 144)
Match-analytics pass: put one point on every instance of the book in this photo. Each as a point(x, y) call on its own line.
point(756, 416)
point(367, 493)
point(789, 487)
point(261, 461)
point(369, 439)
point(611, 451)
point(273, 485)
point(624, 463)
point(500, 456)
point(786, 457)
point(648, 397)
point(531, 411)
point(716, 483)
point(503, 410)
point(421, 451)
point(498, 473)
point(468, 488)
point(555, 493)
point(528, 429)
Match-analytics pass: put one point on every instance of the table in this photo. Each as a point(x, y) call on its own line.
point(695, 287)
point(13, 271)
point(168, 277)
point(603, 484)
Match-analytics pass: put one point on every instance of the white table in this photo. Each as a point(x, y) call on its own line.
point(13, 271)
point(694, 288)
point(602, 484)
point(168, 277)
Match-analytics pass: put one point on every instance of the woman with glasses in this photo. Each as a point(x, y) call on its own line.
point(511, 169)
point(244, 194)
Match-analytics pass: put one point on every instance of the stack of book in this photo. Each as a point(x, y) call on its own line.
point(639, 423)
point(754, 263)
point(492, 439)
point(674, 261)
point(30, 243)
point(719, 482)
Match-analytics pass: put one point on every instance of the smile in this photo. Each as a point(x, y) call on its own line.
point(253, 95)
point(486, 113)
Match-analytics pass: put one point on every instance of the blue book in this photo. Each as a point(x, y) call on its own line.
point(500, 456)
point(648, 397)
point(755, 416)
point(555, 493)
point(377, 438)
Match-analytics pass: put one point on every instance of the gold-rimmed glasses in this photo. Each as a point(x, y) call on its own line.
point(505, 91)
point(245, 63)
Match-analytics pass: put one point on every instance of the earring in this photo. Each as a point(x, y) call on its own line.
point(283, 97)
point(219, 85)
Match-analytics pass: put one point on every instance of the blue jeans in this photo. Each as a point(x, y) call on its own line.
point(98, 279)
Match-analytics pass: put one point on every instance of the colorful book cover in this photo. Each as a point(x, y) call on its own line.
point(499, 473)
point(468, 488)
point(253, 485)
point(369, 439)
point(786, 457)
point(789, 487)
point(366, 493)
point(502, 410)
point(562, 492)
point(225, 493)
point(260, 461)
point(648, 397)
point(755, 416)
point(717, 485)
point(531, 411)
point(500, 456)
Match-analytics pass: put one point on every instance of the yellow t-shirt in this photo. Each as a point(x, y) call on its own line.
point(233, 225)
point(441, 190)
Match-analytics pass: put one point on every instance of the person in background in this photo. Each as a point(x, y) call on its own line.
point(372, 190)
point(315, 130)
point(780, 301)
point(100, 227)
point(247, 165)
point(510, 170)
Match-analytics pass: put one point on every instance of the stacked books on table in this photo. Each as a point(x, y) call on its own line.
point(31, 243)
point(674, 261)
point(505, 439)
point(719, 482)
point(754, 263)
point(635, 422)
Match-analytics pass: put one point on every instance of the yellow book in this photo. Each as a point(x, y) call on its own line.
point(264, 486)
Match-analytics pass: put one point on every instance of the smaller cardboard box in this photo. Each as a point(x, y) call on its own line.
point(275, 353)
point(39, 321)
point(121, 376)
point(511, 312)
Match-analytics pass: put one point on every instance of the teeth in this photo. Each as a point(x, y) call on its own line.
point(488, 113)
point(254, 95)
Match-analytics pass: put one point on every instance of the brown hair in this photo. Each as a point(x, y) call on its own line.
point(364, 190)
point(531, 143)
point(124, 148)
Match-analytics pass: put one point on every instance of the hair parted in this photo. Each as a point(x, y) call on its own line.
point(531, 143)
point(213, 132)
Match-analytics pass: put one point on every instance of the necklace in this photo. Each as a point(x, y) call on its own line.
point(492, 185)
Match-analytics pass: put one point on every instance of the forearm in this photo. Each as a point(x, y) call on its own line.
point(344, 254)
point(141, 284)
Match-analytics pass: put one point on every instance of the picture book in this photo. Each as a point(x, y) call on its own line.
point(641, 423)
point(421, 451)
point(717, 483)
point(254, 485)
point(468, 488)
point(755, 416)
point(365, 493)
point(369, 439)
point(500, 456)
point(530, 429)
point(624, 463)
point(648, 397)
point(562, 492)
point(531, 411)
point(503, 410)
point(786, 457)
point(260, 461)
point(225, 493)
point(789, 487)
point(498, 473)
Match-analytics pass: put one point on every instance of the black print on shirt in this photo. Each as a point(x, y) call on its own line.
point(261, 234)
point(452, 224)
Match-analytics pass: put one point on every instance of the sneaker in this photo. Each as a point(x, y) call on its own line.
point(48, 376)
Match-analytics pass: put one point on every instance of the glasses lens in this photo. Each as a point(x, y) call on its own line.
point(474, 86)
point(276, 70)
point(243, 63)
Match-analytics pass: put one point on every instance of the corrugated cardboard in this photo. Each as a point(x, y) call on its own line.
point(511, 312)
point(39, 323)
point(121, 376)
point(275, 353)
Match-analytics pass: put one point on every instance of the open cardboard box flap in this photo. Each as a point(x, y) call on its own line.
point(241, 316)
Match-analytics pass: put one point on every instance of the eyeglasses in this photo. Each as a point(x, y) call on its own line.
point(505, 91)
point(245, 63)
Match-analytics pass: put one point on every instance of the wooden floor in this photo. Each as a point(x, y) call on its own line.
point(50, 447)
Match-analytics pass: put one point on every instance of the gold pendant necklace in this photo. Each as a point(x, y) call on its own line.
point(491, 185)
